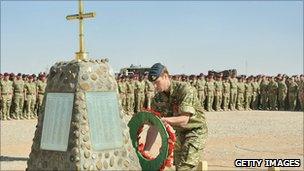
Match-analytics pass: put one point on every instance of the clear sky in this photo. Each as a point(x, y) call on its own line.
point(188, 37)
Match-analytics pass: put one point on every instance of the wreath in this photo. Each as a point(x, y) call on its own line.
point(167, 133)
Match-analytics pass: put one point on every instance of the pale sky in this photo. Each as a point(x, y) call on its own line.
point(188, 37)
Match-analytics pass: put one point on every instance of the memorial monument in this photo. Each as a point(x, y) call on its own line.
point(81, 125)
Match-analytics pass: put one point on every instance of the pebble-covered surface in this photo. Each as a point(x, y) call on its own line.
point(246, 134)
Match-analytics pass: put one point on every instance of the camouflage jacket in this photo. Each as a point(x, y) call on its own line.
point(180, 99)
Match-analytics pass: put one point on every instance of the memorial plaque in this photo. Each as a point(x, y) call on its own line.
point(56, 122)
point(104, 120)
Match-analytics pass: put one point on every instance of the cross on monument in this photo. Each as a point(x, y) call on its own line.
point(81, 55)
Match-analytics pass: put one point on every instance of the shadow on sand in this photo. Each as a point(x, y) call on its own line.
point(10, 158)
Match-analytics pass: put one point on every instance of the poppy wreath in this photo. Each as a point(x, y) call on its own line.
point(167, 133)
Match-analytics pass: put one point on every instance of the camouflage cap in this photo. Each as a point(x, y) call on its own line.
point(155, 71)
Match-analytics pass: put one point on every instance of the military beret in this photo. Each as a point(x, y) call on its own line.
point(19, 74)
point(30, 77)
point(155, 71)
point(6, 74)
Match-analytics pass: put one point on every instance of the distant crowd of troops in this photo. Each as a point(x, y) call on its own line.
point(222, 93)
point(21, 95)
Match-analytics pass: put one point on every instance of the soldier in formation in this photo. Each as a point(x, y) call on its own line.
point(229, 92)
point(21, 95)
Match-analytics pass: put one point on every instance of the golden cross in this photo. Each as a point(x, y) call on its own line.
point(81, 55)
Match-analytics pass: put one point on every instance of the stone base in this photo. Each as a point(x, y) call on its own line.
point(79, 77)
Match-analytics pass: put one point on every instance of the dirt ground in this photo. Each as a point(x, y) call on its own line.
point(232, 135)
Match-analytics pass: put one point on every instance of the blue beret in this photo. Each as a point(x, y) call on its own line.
point(155, 71)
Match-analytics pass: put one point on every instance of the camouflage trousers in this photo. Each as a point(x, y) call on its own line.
point(201, 97)
point(281, 101)
point(301, 99)
point(149, 97)
point(226, 99)
point(248, 98)
point(233, 98)
point(30, 107)
point(254, 101)
point(18, 102)
point(218, 100)
point(210, 99)
point(189, 148)
point(292, 101)
point(130, 103)
point(272, 101)
point(5, 106)
point(39, 103)
point(123, 101)
point(139, 101)
point(240, 101)
point(264, 101)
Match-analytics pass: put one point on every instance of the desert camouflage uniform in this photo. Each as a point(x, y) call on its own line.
point(272, 95)
point(6, 89)
point(210, 94)
point(130, 97)
point(282, 93)
point(31, 95)
point(191, 139)
point(41, 90)
point(264, 94)
point(139, 95)
point(18, 99)
point(292, 95)
point(226, 95)
point(248, 95)
point(255, 95)
point(301, 94)
point(240, 95)
point(233, 93)
point(218, 95)
point(200, 86)
point(122, 88)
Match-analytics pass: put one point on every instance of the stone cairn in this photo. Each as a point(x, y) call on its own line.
point(79, 77)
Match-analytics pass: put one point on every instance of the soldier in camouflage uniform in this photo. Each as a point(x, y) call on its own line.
point(240, 94)
point(41, 85)
point(292, 94)
point(210, 89)
point(273, 91)
point(248, 93)
point(226, 94)
point(181, 109)
point(264, 93)
point(31, 93)
point(6, 89)
point(122, 92)
point(218, 95)
point(233, 91)
point(301, 92)
point(200, 86)
point(130, 96)
point(149, 90)
point(139, 94)
point(282, 92)
point(255, 94)
point(18, 98)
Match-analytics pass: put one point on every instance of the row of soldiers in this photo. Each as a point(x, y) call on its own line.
point(248, 93)
point(222, 93)
point(21, 95)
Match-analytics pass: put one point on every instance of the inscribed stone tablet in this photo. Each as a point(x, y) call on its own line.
point(56, 122)
point(104, 121)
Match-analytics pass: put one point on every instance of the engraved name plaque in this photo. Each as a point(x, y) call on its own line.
point(104, 120)
point(56, 122)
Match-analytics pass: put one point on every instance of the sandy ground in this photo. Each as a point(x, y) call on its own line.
point(232, 135)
